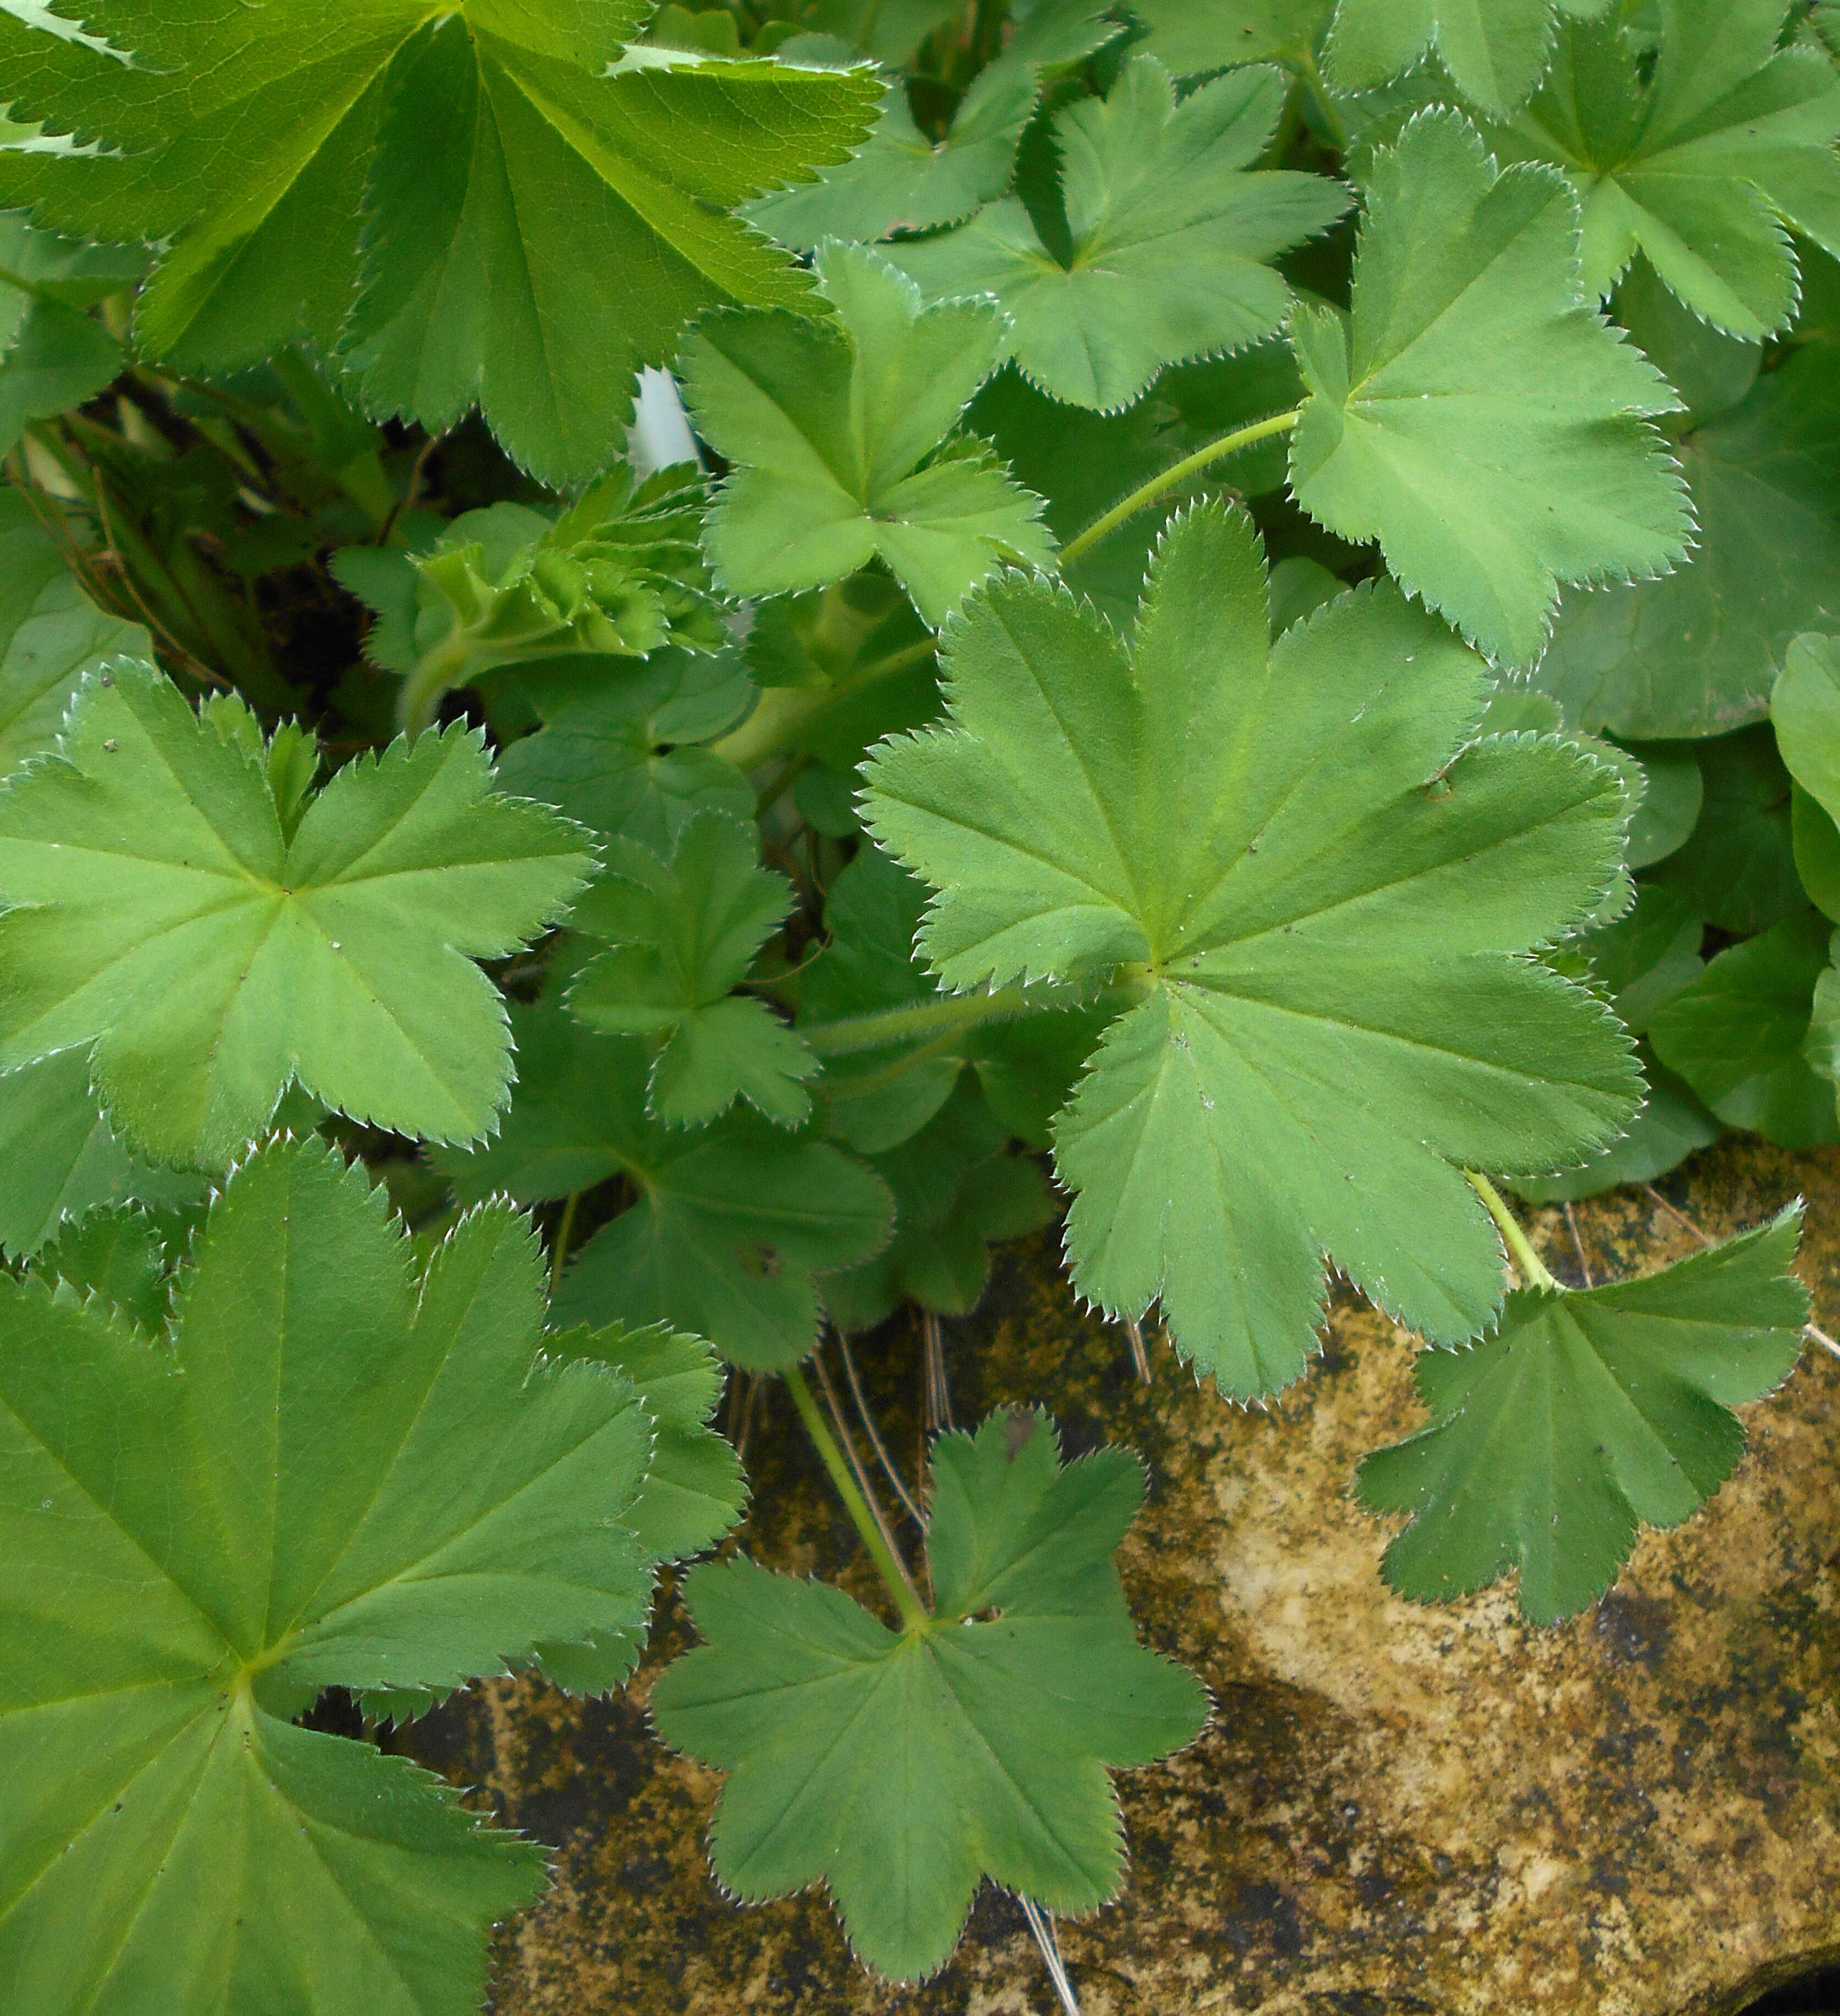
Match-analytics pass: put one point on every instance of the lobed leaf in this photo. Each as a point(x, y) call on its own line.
point(1583, 1415)
point(1323, 905)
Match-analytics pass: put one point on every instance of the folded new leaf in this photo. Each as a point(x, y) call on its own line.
point(472, 202)
point(184, 904)
point(1324, 898)
point(618, 574)
point(418, 1499)
point(1472, 412)
point(684, 935)
point(1582, 1415)
point(1173, 236)
point(838, 432)
point(901, 1769)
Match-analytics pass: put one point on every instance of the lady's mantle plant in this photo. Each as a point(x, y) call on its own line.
point(1240, 638)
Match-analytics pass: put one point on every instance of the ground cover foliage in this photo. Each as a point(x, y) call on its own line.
point(1219, 619)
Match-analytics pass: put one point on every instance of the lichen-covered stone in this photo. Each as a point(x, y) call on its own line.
point(1396, 1809)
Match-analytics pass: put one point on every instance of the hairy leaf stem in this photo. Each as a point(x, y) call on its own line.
point(1148, 493)
point(913, 1615)
point(948, 1014)
point(1533, 1269)
point(774, 727)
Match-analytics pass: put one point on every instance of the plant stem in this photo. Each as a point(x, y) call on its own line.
point(774, 727)
point(947, 1014)
point(1533, 1269)
point(1319, 92)
point(559, 1243)
point(1148, 493)
point(913, 1616)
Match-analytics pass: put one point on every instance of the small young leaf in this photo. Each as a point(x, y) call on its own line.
point(1700, 166)
point(901, 180)
point(685, 935)
point(164, 915)
point(839, 433)
point(900, 1770)
point(1172, 234)
point(1583, 1415)
point(1474, 414)
point(617, 749)
point(732, 1222)
point(529, 222)
point(51, 634)
point(957, 1192)
point(1741, 1035)
point(415, 1500)
point(1494, 50)
point(1323, 904)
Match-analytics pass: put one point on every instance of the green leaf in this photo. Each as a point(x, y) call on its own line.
point(731, 1223)
point(1737, 869)
point(684, 935)
point(1672, 1126)
point(839, 433)
point(417, 1499)
point(1473, 414)
point(903, 180)
point(1700, 165)
point(1171, 234)
point(878, 1097)
point(120, 1255)
point(693, 1492)
point(1698, 654)
point(164, 916)
point(1805, 712)
point(51, 634)
point(957, 1192)
point(1711, 371)
point(900, 1769)
point(890, 30)
point(1191, 35)
point(1494, 50)
point(1323, 905)
point(481, 204)
point(1583, 1416)
point(59, 1160)
point(1816, 841)
point(617, 750)
point(1741, 1035)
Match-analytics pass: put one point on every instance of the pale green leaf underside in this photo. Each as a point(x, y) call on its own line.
point(411, 1503)
point(1324, 912)
point(464, 199)
point(163, 917)
point(838, 432)
point(1583, 1416)
point(1474, 414)
point(900, 1770)
point(1173, 237)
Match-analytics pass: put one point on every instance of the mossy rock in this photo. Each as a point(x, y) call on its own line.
point(1396, 1809)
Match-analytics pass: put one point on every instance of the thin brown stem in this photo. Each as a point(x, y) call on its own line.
point(1584, 1264)
point(1679, 1216)
point(874, 1435)
point(938, 1389)
point(1139, 1357)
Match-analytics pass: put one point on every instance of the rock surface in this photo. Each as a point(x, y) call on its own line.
point(1395, 1809)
